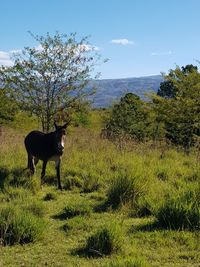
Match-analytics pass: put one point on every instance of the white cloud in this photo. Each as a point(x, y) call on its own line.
point(122, 42)
point(167, 53)
point(39, 48)
point(5, 59)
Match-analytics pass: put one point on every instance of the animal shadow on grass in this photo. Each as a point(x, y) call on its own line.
point(103, 206)
point(72, 211)
point(14, 177)
point(147, 227)
point(19, 177)
point(60, 216)
point(49, 180)
point(4, 174)
point(84, 252)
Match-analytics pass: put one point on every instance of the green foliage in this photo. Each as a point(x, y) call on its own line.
point(128, 118)
point(167, 88)
point(179, 108)
point(19, 227)
point(24, 120)
point(81, 115)
point(107, 240)
point(181, 211)
point(8, 108)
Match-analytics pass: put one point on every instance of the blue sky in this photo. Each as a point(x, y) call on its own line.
point(140, 37)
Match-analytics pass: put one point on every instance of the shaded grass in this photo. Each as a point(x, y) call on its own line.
point(73, 209)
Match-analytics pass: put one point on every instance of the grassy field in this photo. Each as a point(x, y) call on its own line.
point(137, 206)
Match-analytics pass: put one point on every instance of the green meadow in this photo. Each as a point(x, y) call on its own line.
point(130, 205)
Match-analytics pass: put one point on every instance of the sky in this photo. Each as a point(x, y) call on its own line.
point(139, 37)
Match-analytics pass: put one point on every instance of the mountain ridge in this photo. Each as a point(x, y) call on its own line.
point(110, 90)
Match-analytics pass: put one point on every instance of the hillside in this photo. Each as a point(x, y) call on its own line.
point(109, 90)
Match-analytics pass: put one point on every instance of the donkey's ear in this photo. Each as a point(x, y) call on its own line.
point(66, 124)
point(55, 125)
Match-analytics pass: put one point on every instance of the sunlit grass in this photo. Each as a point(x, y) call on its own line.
point(92, 168)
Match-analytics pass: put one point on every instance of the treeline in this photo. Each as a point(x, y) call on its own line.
point(173, 114)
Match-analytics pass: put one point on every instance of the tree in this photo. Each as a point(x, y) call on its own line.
point(181, 113)
point(128, 118)
point(52, 76)
point(167, 88)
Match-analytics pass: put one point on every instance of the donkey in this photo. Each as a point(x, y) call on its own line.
point(46, 147)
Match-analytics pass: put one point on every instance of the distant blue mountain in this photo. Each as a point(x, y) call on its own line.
point(110, 90)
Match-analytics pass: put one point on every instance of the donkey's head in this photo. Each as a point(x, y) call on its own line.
point(59, 133)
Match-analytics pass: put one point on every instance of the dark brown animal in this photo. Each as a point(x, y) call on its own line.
point(46, 147)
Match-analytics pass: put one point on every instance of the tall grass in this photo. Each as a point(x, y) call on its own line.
point(181, 210)
point(19, 227)
point(125, 189)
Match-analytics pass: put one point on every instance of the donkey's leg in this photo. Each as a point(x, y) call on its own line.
point(36, 161)
point(31, 166)
point(58, 173)
point(43, 169)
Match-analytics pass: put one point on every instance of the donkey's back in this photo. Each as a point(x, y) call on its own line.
point(39, 145)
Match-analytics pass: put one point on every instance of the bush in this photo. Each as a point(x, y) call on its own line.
point(19, 227)
point(128, 118)
point(124, 189)
point(180, 211)
point(105, 241)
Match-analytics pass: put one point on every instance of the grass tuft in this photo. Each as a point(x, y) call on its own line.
point(19, 227)
point(180, 211)
point(124, 189)
point(107, 240)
